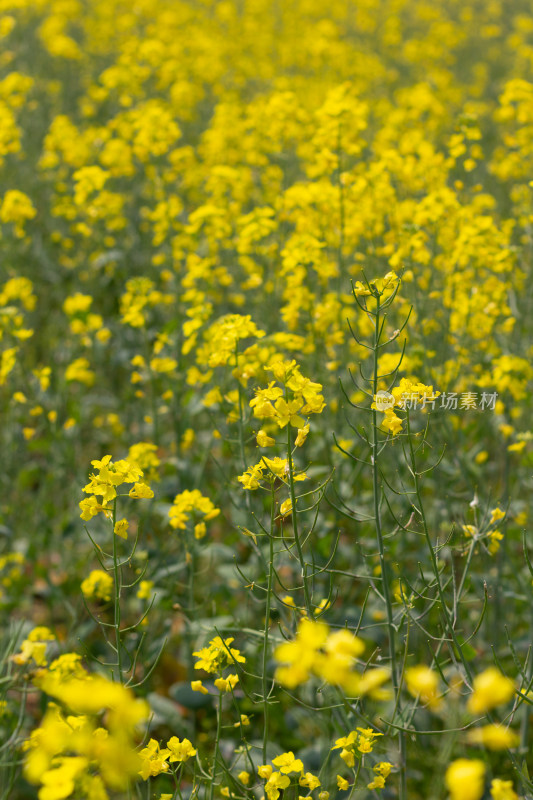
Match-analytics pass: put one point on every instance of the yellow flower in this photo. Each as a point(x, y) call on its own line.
point(465, 779)
point(491, 689)
point(197, 686)
point(79, 371)
point(180, 751)
point(154, 760)
point(286, 507)
point(261, 403)
point(506, 430)
point(301, 654)
point(227, 684)
point(370, 682)
point(41, 634)
point(110, 475)
point(342, 783)
point(287, 763)
point(287, 413)
point(495, 737)
point(145, 590)
point(361, 291)
point(163, 364)
point(391, 422)
point(217, 655)
point(336, 666)
point(277, 466)
point(423, 682)
point(16, 207)
point(323, 606)
point(33, 648)
point(71, 741)
point(99, 585)
point(188, 503)
point(502, 790)
point(264, 440)
point(251, 478)
point(141, 491)
point(90, 507)
point(309, 780)
point(302, 436)
point(121, 528)
point(346, 744)
point(144, 455)
point(516, 447)
point(496, 515)
point(200, 530)
point(276, 782)
point(494, 542)
point(264, 771)
point(348, 756)
point(365, 743)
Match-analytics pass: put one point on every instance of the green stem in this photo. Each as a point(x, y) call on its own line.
point(526, 783)
point(117, 617)
point(385, 573)
point(459, 593)
point(307, 597)
point(190, 600)
point(267, 621)
point(526, 712)
point(153, 399)
point(466, 570)
point(217, 749)
point(433, 557)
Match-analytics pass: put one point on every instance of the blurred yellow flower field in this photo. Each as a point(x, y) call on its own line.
point(266, 346)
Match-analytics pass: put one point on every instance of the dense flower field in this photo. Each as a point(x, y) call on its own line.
point(265, 396)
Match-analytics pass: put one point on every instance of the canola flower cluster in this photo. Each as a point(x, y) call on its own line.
point(407, 390)
point(85, 744)
point(156, 760)
point(329, 656)
point(112, 474)
point(70, 742)
point(188, 502)
point(229, 229)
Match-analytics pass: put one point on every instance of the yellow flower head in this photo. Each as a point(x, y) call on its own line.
point(217, 655)
point(423, 682)
point(275, 783)
point(180, 751)
point(494, 737)
point(98, 585)
point(491, 689)
point(502, 790)
point(287, 763)
point(197, 686)
point(464, 779)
